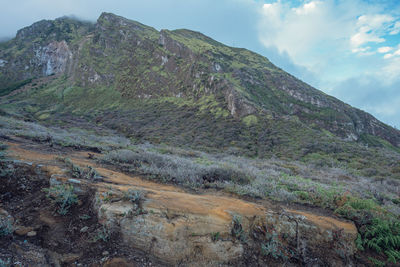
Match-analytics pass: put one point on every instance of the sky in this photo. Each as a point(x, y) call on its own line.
point(348, 49)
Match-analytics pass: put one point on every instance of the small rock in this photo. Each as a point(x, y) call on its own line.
point(31, 233)
point(22, 230)
point(84, 229)
point(74, 181)
point(106, 253)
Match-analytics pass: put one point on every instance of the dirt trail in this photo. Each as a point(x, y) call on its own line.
point(181, 221)
point(172, 197)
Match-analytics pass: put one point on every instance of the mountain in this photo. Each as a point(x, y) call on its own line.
point(120, 143)
point(182, 88)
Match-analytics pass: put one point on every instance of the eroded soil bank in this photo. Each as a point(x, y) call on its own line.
point(123, 219)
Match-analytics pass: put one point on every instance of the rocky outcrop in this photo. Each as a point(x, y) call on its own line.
point(206, 230)
point(237, 104)
point(54, 57)
point(174, 46)
point(44, 48)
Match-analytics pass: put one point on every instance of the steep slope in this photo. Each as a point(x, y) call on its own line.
point(182, 88)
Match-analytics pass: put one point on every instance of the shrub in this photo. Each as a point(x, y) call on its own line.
point(121, 156)
point(273, 247)
point(383, 236)
point(135, 196)
point(237, 229)
point(103, 234)
point(63, 196)
point(215, 236)
point(191, 172)
point(92, 174)
point(88, 173)
point(355, 208)
point(376, 262)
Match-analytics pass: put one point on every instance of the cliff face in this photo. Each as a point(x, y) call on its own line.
point(139, 62)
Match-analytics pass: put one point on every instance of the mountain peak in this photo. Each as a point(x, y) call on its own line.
point(111, 20)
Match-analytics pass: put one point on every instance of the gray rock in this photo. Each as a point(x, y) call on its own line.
point(31, 234)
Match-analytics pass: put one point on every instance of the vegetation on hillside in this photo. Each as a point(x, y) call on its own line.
point(373, 204)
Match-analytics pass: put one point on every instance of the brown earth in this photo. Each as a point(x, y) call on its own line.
point(172, 225)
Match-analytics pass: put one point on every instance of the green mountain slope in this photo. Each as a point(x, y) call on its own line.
point(183, 88)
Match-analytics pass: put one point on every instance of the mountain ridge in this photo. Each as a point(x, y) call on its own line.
point(130, 60)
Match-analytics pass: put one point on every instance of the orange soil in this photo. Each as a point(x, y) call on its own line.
point(170, 197)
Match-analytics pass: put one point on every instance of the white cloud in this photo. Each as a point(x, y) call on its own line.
point(307, 8)
point(370, 29)
point(362, 37)
point(387, 56)
point(394, 54)
point(316, 32)
point(374, 22)
point(385, 49)
point(306, 31)
point(363, 51)
point(314, 25)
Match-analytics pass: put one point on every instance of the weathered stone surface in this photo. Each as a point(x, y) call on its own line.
point(312, 236)
point(31, 234)
point(179, 227)
point(237, 104)
point(54, 57)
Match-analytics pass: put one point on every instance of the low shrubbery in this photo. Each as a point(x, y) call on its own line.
point(237, 228)
point(88, 173)
point(272, 178)
point(63, 196)
point(378, 230)
point(382, 236)
point(173, 168)
point(72, 137)
point(337, 183)
point(134, 196)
